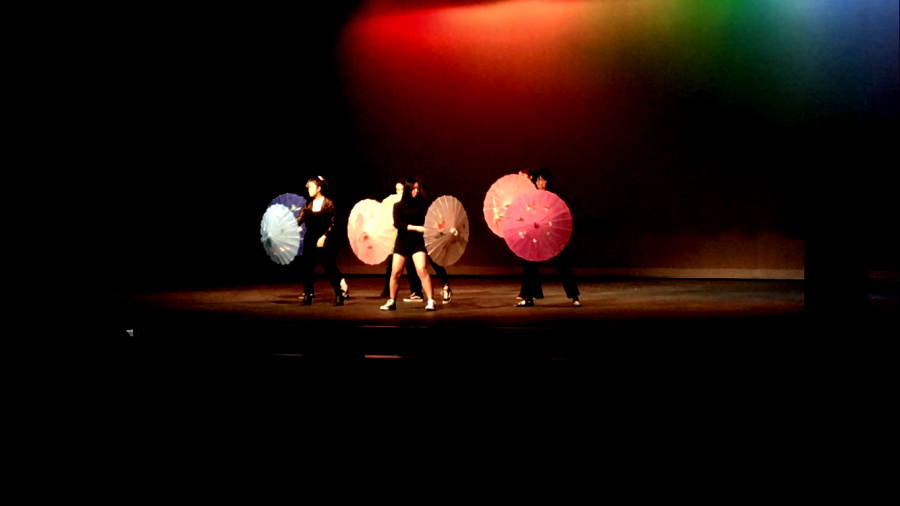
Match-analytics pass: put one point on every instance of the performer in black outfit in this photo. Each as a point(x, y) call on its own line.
point(531, 283)
point(409, 218)
point(415, 285)
point(410, 267)
point(318, 214)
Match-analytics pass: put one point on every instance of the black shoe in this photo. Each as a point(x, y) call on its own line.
point(526, 302)
point(307, 300)
point(540, 295)
point(339, 300)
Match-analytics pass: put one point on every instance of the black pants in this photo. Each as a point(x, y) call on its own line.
point(415, 284)
point(326, 256)
point(531, 279)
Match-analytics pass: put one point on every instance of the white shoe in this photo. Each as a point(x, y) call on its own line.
point(413, 298)
point(390, 305)
point(430, 305)
point(446, 293)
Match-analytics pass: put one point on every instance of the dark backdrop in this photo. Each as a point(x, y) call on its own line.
point(693, 140)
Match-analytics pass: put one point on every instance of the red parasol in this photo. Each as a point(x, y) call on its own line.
point(446, 230)
point(537, 225)
point(500, 196)
point(371, 236)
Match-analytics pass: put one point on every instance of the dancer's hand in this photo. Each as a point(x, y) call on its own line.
point(321, 242)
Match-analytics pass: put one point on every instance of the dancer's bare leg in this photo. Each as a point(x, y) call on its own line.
point(420, 259)
point(399, 261)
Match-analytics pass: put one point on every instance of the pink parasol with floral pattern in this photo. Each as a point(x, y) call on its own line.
point(500, 196)
point(446, 230)
point(537, 225)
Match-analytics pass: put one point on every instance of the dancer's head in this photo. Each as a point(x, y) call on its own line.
point(423, 192)
point(316, 185)
point(413, 190)
point(544, 180)
point(526, 172)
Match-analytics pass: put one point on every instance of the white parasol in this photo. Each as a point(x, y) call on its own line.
point(280, 234)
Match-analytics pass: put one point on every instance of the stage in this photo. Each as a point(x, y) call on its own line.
point(480, 320)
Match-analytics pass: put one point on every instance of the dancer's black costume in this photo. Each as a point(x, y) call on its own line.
point(531, 281)
point(415, 284)
point(318, 224)
point(410, 212)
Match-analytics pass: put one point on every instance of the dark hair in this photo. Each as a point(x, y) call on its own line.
point(320, 181)
point(528, 171)
point(547, 176)
point(408, 186)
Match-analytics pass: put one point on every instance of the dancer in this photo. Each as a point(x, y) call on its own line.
point(409, 219)
point(410, 267)
point(415, 285)
point(531, 284)
point(318, 214)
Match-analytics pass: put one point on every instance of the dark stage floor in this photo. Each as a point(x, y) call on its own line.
point(481, 316)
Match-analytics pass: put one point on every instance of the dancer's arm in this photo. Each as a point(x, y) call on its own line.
point(398, 219)
point(302, 216)
point(329, 208)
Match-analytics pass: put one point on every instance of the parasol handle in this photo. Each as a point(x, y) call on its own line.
point(454, 232)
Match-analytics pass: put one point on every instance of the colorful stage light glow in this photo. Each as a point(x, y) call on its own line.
point(558, 58)
point(492, 73)
point(671, 104)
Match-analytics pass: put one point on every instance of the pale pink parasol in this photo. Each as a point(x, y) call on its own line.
point(446, 230)
point(537, 225)
point(387, 214)
point(500, 196)
point(371, 236)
